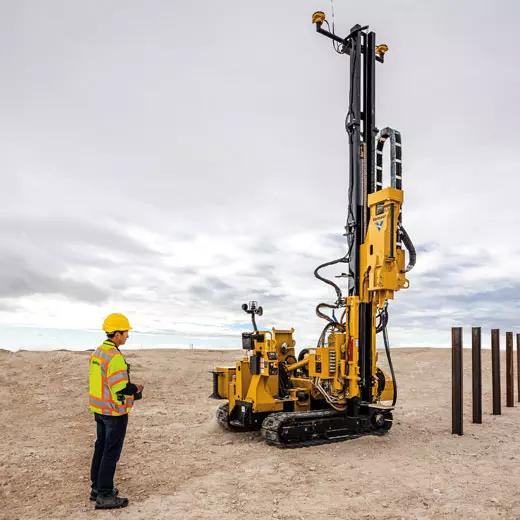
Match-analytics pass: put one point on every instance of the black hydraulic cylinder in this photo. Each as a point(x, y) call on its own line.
point(476, 372)
point(367, 186)
point(510, 387)
point(456, 380)
point(495, 370)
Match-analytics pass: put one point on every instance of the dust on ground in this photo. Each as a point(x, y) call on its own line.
point(177, 462)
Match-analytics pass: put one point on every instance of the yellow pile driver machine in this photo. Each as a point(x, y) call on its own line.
point(335, 390)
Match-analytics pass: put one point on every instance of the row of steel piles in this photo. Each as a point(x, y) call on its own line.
point(476, 372)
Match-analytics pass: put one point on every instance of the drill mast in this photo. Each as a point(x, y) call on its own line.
point(360, 125)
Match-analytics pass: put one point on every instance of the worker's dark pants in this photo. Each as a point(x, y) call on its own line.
point(111, 431)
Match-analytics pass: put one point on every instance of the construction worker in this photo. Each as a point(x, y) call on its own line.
point(111, 397)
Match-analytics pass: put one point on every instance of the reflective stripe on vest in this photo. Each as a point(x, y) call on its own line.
point(107, 406)
point(121, 375)
point(108, 375)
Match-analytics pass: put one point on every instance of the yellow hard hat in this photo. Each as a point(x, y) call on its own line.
point(116, 322)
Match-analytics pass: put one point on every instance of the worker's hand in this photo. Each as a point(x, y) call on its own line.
point(140, 388)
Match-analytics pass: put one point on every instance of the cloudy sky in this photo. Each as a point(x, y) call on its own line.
point(172, 160)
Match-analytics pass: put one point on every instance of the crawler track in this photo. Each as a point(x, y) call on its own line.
point(300, 429)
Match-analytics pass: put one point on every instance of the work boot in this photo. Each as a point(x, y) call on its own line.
point(111, 501)
point(94, 493)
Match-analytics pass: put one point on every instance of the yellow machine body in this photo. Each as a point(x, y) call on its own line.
point(327, 375)
point(255, 378)
point(382, 262)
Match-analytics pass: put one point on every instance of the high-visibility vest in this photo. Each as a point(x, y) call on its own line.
point(108, 375)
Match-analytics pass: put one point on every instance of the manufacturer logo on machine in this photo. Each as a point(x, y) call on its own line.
point(379, 225)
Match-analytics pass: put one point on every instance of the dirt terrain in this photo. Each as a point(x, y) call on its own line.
point(177, 463)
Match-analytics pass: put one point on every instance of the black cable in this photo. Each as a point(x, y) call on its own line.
point(335, 44)
point(411, 249)
point(381, 327)
point(329, 282)
point(324, 316)
point(382, 314)
point(337, 324)
point(387, 348)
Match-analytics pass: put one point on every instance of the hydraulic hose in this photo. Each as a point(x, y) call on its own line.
point(387, 349)
point(381, 327)
point(324, 316)
point(326, 264)
point(383, 319)
point(324, 331)
point(411, 249)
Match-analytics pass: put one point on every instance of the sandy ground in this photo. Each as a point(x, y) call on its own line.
point(177, 463)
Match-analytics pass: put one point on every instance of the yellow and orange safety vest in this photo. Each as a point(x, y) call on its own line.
point(108, 375)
